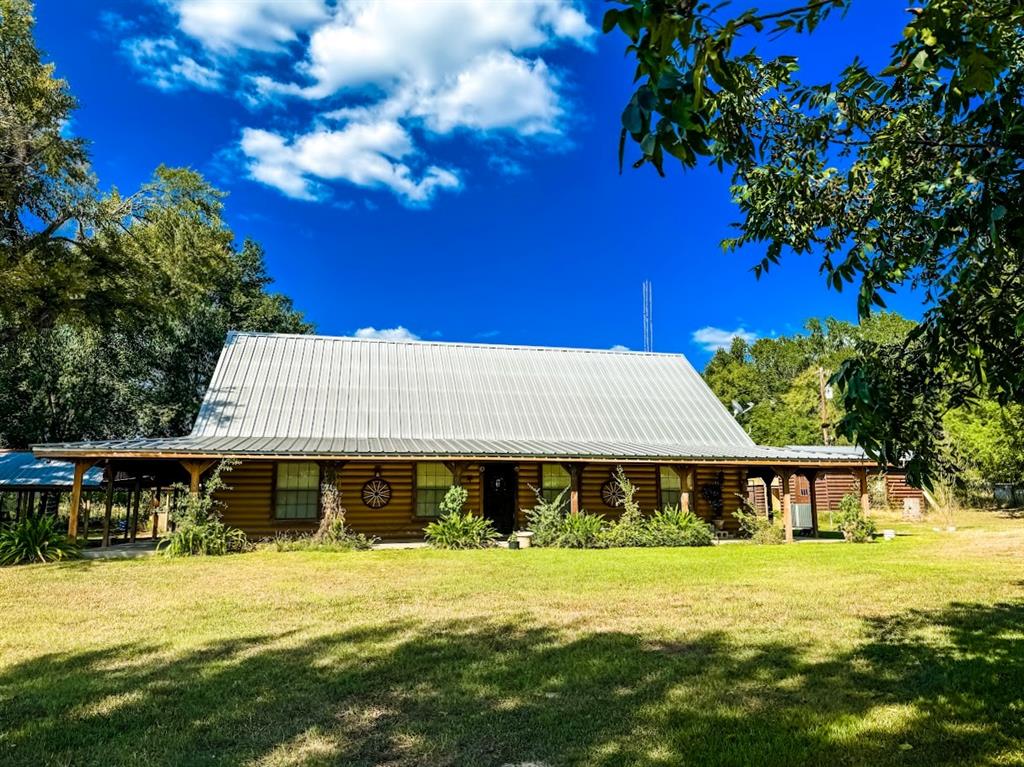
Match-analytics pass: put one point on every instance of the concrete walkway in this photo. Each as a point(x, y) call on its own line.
point(122, 551)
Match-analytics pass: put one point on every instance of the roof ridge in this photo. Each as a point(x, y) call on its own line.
point(468, 344)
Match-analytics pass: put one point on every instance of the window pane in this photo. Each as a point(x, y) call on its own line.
point(670, 479)
point(298, 491)
point(554, 477)
point(670, 497)
point(432, 482)
point(433, 475)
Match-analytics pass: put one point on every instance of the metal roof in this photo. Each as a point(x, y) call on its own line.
point(20, 470)
point(290, 395)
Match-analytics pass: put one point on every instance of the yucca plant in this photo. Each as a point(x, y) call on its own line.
point(35, 539)
point(673, 526)
point(461, 531)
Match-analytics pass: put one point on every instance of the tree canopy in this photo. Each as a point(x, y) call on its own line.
point(908, 176)
point(114, 308)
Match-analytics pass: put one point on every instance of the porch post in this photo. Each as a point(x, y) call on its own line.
point(687, 481)
point(787, 502)
point(135, 509)
point(109, 506)
point(575, 481)
point(195, 471)
point(811, 475)
point(865, 500)
point(76, 498)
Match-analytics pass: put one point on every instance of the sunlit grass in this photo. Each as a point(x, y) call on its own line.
point(906, 651)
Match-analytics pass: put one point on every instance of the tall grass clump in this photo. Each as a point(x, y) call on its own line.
point(35, 539)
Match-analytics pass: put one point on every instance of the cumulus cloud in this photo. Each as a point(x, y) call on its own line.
point(712, 339)
point(226, 26)
point(618, 348)
point(417, 71)
point(365, 154)
point(398, 333)
point(165, 66)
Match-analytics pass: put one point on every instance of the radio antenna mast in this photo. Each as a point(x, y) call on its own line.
point(648, 291)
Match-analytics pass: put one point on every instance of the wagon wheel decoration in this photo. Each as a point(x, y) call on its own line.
point(377, 493)
point(611, 493)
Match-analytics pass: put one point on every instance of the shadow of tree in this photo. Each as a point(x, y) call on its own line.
point(928, 688)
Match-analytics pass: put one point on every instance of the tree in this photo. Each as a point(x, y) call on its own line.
point(52, 262)
point(776, 381)
point(910, 175)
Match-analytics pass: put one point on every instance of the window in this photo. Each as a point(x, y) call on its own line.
point(554, 480)
point(297, 492)
point(671, 487)
point(432, 482)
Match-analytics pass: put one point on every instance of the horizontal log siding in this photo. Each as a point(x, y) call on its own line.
point(644, 479)
point(248, 501)
point(397, 519)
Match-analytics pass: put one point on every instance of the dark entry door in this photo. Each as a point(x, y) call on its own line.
point(500, 496)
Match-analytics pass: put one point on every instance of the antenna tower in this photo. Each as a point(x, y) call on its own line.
point(648, 290)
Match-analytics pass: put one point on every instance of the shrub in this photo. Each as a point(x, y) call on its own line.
point(454, 499)
point(545, 519)
point(673, 527)
point(35, 539)
point(580, 531)
point(758, 528)
point(851, 520)
point(461, 531)
point(199, 530)
point(631, 528)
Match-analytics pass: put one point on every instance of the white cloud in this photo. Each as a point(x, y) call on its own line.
point(498, 91)
point(712, 338)
point(225, 26)
point(164, 65)
point(417, 70)
point(365, 154)
point(618, 348)
point(398, 333)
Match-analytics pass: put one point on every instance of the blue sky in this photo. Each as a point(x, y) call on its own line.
point(448, 169)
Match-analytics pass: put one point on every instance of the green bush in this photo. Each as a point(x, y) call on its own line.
point(580, 531)
point(851, 520)
point(461, 531)
point(631, 528)
point(758, 528)
point(35, 539)
point(198, 527)
point(545, 519)
point(673, 527)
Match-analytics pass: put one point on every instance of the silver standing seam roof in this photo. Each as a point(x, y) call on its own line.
point(296, 395)
point(20, 470)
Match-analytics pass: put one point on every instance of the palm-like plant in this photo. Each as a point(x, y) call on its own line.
point(35, 539)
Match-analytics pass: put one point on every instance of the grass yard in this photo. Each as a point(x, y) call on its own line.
point(901, 652)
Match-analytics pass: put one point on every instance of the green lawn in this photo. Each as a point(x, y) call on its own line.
point(909, 652)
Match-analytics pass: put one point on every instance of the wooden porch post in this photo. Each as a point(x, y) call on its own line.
point(135, 508)
point(109, 505)
point(575, 481)
point(865, 499)
point(811, 475)
point(687, 481)
point(195, 471)
point(76, 498)
point(787, 502)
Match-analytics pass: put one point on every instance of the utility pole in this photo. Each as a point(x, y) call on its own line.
point(823, 407)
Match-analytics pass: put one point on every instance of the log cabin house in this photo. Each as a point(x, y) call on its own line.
point(395, 423)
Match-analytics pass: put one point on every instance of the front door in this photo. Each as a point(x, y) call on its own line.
point(500, 496)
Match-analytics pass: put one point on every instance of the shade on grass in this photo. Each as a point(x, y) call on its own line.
point(908, 652)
